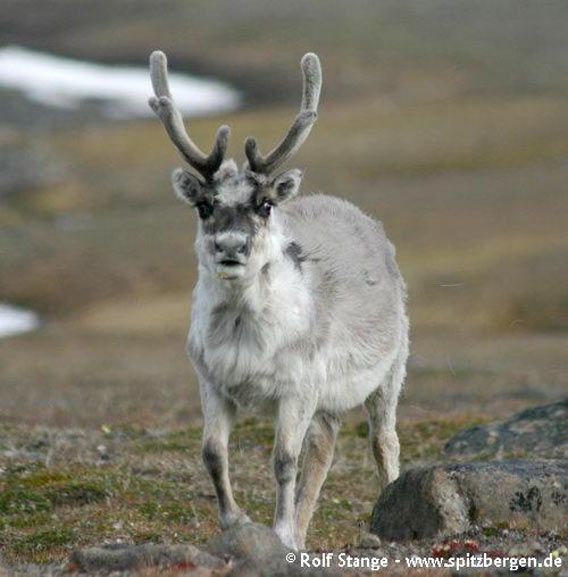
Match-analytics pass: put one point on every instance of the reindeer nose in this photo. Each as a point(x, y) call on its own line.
point(232, 244)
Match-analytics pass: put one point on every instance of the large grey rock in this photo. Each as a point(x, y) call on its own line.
point(123, 558)
point(537, 433)
point(446, 499)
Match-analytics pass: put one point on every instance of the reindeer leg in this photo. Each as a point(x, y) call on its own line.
point(319, 445)
point(218, 414)
point(381, 407)
point(294, 416)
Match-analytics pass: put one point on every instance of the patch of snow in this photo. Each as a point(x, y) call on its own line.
point(15, 320)
point(124, 90)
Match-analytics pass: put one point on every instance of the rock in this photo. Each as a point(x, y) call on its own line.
point(446, 499)
point(246, 568)
point(32, 570)
point(369, 541)
point(248, 540)
point(258, 552)
point(123, 558)
point(539, 432)
point(279, 567)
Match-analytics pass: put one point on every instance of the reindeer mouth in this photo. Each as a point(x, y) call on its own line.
point(230, 262)
point(229, 269)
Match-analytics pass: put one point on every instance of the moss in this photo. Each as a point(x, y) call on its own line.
point(490, 531)
point(138, 509)
point(174, 441)
point(77, 492)
point(258, 507)
point(44, 512)
point(252, 431)
point(43, 490)
point(42, 540)
point(148, 536)
point(167, 512)
point(18, 501)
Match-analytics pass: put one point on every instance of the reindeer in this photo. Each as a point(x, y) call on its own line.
point(298, 310)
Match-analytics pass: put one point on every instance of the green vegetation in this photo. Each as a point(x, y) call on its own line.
point(155, 488)
point(43, 491)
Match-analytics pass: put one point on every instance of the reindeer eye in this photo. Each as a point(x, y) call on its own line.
point(264, 209)
point(205, 210)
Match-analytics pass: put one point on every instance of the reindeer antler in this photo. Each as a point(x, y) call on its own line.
point(164, 107)
point(300, 129)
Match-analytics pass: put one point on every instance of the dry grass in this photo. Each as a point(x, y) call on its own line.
point(480, 236)
point(447, 173)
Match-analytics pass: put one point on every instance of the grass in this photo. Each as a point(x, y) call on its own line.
point(154, 488)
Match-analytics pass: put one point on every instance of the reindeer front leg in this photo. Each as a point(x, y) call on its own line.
point(218, 414)
point(294, 416)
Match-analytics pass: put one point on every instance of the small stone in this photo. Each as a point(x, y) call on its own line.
point(369, 541)
point(257, 551)
point(249, 540)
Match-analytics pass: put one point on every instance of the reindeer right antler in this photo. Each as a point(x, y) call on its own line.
point(300, 129)
point(164, 107)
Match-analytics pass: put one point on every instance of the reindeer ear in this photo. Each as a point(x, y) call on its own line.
point(187, 186)
point(285, 185)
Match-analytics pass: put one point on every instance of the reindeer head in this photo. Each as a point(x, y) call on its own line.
point(238, 230)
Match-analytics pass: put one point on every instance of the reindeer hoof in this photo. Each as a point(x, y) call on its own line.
point(231, 519)
point(287, 537)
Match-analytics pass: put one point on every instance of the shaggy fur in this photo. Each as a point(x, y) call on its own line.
point(315, 328)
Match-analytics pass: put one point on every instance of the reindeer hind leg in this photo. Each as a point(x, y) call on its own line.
point(381, 407)
point(318, 452)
